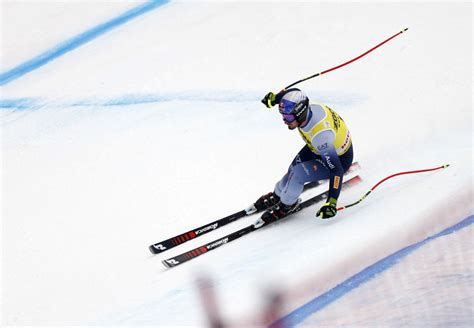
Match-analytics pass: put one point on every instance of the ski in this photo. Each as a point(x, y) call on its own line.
point(167, 244)
point(189, 255)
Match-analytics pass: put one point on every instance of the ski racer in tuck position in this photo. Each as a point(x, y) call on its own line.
point(328, 153)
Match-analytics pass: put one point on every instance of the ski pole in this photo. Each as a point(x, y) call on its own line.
point(389, 177)
point(348, 62)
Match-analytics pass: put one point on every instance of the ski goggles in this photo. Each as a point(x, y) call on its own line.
point(288, 118)
point(285, 107)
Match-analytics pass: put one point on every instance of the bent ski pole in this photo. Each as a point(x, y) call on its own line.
point(348, 62)
point(389, 177)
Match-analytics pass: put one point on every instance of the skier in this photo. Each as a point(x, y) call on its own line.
point(327, 155)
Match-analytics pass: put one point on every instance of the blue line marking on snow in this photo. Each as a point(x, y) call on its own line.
point(131, 99)
point(220, 96)
point(18, 104)
point(299, 315)
point(77, 41)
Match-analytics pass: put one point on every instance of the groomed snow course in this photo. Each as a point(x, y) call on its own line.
point(156, 127)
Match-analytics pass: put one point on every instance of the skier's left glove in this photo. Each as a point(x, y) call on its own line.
point(329, 209)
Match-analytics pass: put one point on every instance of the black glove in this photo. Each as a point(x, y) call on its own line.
point(269, 100)
point(328, 210)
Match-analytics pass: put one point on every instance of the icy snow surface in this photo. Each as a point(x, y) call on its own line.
point(156, 127)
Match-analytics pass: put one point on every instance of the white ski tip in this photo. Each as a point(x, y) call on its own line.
point(251, 209)
point(259, 223)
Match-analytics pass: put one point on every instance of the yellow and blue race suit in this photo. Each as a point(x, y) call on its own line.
point(328, 153)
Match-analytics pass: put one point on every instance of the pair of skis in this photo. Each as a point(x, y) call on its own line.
point(192, 234)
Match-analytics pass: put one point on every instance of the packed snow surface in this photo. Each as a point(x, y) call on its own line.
point(156, 127)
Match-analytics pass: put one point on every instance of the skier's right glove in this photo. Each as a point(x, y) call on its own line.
point(269, 100)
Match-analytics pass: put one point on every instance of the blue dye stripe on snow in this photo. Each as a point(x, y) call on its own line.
point(299, 315)
point(131, 99)
point(20, 103)
point(77, 41)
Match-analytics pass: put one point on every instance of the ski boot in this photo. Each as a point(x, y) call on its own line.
point(277, 212)
point(266, 201)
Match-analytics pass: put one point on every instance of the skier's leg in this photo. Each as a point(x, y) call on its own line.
point(296, 178)
point(312, 168)
point(291, 185)
point(305, 154)
point(306, 167)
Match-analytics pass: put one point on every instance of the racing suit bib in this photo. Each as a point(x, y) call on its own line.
point(326, 120)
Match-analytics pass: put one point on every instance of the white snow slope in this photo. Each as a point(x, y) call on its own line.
point(156, 127)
